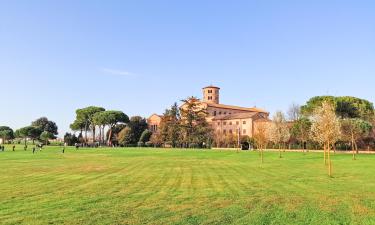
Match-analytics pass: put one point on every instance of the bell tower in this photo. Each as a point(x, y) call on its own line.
point(211, 94)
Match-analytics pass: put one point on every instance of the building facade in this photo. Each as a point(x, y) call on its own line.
point(224, 119)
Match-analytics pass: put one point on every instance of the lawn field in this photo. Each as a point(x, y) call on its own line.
point(148, 186)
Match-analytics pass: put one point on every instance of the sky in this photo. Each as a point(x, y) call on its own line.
point(142, 56)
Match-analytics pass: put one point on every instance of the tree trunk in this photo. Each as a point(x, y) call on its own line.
point(93, 134)
point(110, 136)
point(353, 148)
point(261, 155)
point(279, 151)
point(325, 159)
point(329, 161)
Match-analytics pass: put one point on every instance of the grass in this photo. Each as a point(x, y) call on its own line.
point(144, 186)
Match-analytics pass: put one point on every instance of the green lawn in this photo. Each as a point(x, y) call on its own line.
point(147, 186)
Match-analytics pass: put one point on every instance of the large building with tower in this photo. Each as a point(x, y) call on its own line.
point(224, 119)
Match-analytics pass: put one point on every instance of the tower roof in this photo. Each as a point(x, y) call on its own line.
point(211, 86)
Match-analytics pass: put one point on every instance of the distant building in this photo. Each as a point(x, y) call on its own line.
point(224, 119)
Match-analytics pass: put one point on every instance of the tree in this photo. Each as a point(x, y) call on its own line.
point(28, 132)
point(170, 126)
point(137, 125)
point(78, 125)
point(294, 112)
point(325, 129)
point(6, 133)
point(261, 136)
point(278, 130)
point(145, 137)
point(353, 130)
point(301, 131)
point(100, 120)
point(194, 126)
point(126, 136)
point(85, 116)
point(344, 106)
point(45, 136)
point(112, 118)
point(70, 139)
point(45, 125)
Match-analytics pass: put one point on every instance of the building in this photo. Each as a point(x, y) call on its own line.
point(224, 119)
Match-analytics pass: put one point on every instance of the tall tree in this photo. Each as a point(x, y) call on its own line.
point(28, 132)
point(86, 115)
point(45, 125)
point(326, 130)
point(6, 133)
point(194, 126)
point(170, 126)
point(294, 112)
point(112, 119)
point(137, 125)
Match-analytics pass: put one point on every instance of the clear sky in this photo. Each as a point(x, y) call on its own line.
point(142, 56)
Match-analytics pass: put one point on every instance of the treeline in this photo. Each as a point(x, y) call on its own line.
point(41, 130)
point(354, 129)
point(107, 127)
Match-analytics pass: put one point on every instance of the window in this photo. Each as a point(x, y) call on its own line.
point(244, 122)
point(230, 123)
point(237, 123)
point(224, 131)
point(230, 131)
point(218, 123)
point(214, 113)
point(209, 97)
point(209, 91)
point(225, 113)
point(219, 113)
point(244, 131)
point(224, 123)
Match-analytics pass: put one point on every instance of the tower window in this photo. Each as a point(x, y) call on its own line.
point(209, 91)
point(244, 122)
point(209, 97)
point(237, 123)
point(244, 131)
point(214, 113)
point(230, 123)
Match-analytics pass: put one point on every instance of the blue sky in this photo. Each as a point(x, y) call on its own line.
point(141, 56)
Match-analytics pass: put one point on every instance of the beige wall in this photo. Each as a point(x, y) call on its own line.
point(153, 122)
point(225, 126)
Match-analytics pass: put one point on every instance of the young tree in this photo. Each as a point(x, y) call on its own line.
point(6, 133)
point(353, 130)
point(301, 131)
point(261, 136)
point(325, 129)
point(279, 131)
point(70, 139)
